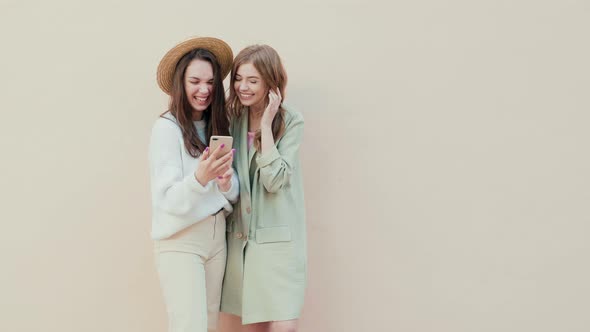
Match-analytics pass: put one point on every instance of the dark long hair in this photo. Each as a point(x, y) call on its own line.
point(217, 122)
point(268, 63)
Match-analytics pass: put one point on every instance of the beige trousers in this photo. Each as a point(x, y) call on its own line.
point(191, 264)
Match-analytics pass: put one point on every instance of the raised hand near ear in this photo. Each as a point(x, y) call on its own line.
point(274, 102)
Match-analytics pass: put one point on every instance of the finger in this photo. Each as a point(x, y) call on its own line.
point(271, 96)
point(279, 94)
point(221, 179)
point(223, 164)
point(227, 159)
point(221, 176)
point(272, 100)
point(228, 174)
point(205, 154)
point(225, 178)
point(219, 151)
point(223, 167)
point(269, 100)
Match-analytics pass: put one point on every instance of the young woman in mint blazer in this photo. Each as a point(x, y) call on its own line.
point(265, 274)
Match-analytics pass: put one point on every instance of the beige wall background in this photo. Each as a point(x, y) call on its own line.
point(446, 159)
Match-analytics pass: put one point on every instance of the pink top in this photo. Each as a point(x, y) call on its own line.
point(251, 136)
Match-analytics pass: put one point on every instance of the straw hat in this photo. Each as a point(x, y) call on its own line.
point(167, 65)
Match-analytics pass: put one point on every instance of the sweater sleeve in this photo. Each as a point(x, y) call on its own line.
point(277, 164)
point(173, 193)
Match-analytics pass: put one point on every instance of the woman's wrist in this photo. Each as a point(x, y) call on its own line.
point(265, 123)
point(200, 181)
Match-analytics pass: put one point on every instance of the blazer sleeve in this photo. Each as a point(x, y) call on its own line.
point(277, 164)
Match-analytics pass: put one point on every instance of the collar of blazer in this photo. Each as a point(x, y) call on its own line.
point(241, 139)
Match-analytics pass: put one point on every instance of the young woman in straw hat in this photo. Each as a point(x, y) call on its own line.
point(265, 275)
point(192, 187)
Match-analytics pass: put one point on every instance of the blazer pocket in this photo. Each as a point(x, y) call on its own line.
point(273, 234)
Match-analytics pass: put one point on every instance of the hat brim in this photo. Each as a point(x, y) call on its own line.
point(167, 65)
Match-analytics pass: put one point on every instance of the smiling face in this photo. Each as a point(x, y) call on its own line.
point(198, 85)
point(249, 86)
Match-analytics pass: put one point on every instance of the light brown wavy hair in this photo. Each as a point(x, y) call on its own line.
point(268, 63)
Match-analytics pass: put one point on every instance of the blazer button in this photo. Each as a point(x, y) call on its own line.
point(248, 209)
point(239, 235)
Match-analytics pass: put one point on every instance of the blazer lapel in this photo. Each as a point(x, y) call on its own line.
point(251, 153)
point(244, 166)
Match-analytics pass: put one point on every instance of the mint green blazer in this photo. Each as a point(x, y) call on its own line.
point(266, 265)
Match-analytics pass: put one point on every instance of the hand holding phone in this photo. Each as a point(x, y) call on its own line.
point(216, 160)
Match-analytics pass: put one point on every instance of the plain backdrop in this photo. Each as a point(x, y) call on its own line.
point(445, 159)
